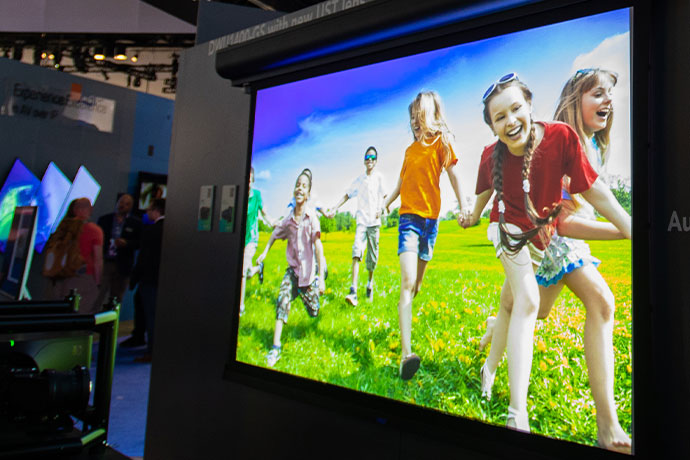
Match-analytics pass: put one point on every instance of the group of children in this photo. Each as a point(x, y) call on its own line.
point(544, 177)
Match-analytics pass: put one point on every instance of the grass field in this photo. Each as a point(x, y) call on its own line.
point(359, 348)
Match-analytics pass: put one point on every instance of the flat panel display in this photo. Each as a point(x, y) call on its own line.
point(406, 304)
point(50, 196)
point(83, 186)
point(18, 190)
point(17, 258)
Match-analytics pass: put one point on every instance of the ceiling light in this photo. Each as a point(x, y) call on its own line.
point(98, 53)
point(135, 58)
point(120, 53)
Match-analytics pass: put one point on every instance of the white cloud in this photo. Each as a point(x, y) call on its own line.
point(264, 175)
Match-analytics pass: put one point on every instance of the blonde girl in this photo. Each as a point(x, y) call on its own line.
point(420, 195)
point(524, 167)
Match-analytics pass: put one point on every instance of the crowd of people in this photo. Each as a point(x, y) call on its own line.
point(119, 252)
point(545, 178)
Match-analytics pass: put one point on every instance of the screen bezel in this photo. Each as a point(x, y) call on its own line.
point(457, 430)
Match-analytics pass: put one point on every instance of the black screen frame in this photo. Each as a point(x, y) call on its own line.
point(468, 433)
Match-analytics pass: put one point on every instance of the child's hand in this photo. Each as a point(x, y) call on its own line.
point(466, 219)
point(261, 258)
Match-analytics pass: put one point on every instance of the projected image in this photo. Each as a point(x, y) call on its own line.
point(83, 186)
point(51, 195)
point(452, 230)
point(149, 191)
point(18, 190)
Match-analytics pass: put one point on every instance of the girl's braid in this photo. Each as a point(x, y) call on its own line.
point(515, 241)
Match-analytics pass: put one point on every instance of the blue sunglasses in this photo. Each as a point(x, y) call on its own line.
point(504, 79)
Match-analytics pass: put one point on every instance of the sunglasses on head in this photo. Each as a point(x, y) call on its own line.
point(584, 72)
point(504, 79)
point(369, 157)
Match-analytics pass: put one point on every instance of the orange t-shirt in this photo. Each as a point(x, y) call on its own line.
point(420, 191)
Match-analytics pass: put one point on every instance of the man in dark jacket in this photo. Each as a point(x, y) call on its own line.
point(121, 233)
point(147, 267)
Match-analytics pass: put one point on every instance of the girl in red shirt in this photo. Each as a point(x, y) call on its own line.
point(524, 167)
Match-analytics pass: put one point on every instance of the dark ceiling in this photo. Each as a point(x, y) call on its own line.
point(80, 49)
point(186, 9)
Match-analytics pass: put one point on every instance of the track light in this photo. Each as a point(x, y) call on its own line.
point(99, 53)
point(44, 55)
point(120, 53)
point(135, 58)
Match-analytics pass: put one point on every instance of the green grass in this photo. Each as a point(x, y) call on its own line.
point(359, 348)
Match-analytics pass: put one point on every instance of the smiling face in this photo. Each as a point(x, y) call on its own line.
point(596, 105)
point(510, 116)
point(301, 191)
point(370, 161)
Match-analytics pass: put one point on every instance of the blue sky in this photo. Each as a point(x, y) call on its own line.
point(326, 123)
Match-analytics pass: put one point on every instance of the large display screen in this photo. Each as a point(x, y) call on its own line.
point(50, 197)
point(18, 190)
point(356, 338)
point(83, 186)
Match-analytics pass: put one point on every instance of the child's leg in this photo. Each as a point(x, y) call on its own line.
point(523, 285)
point(287, 292)
point(358, 252)
point(547, 298)
point(500, 335)
point(408, 277)
point(588, 284)
point(242, 287)
point(355, 272)
point(277, 333)
point(421, 269)
point(372, 251)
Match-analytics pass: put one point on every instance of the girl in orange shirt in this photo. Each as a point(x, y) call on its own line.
point(420, 196)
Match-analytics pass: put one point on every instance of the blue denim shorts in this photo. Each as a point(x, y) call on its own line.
point(417, 234)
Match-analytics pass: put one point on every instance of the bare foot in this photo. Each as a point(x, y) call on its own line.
point(486, 339)
point(615, 439)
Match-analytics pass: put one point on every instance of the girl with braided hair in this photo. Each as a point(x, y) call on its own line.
point(420, 204)
point(586, 105)
point(525, 168)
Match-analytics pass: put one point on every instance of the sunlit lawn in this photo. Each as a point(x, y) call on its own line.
point(359, 347)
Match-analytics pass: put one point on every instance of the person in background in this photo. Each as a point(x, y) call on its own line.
point(88, 277)
point(145, 273)
point(121, 234)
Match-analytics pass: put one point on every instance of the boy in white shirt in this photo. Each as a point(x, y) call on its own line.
point(368, 188)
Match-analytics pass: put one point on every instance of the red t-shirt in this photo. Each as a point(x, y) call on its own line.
point(91, 235)
point(559, 153)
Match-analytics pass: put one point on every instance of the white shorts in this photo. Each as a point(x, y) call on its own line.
point(249, 251)
point(493, 234)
